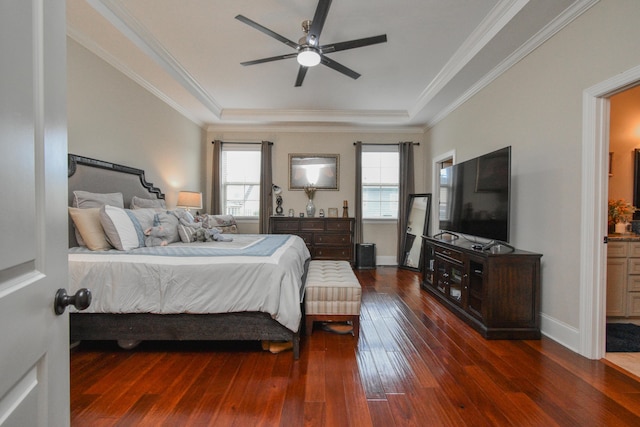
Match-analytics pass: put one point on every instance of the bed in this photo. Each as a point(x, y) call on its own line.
point(249, 288)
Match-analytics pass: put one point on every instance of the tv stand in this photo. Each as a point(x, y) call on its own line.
point(496, 292)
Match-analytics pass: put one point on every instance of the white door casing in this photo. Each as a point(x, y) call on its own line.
point(34, 349)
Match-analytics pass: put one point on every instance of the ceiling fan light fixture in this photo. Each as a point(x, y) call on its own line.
point(308, 57)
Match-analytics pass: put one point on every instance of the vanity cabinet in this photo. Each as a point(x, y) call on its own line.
point(326, 238)
point(496, 292)
point(623, 278)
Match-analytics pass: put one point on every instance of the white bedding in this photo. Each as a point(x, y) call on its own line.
point(252, 273)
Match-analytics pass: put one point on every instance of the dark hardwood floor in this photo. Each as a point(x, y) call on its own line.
point(416, 364)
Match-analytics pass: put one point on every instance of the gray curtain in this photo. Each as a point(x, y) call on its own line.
point(216, 180)
point(358, 194)
point(406, 187)
point(266, 187)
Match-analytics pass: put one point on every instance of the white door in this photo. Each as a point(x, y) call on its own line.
point(34, 342)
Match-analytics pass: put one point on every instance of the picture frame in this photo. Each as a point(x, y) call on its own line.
point(332, 213)
point(321, 171)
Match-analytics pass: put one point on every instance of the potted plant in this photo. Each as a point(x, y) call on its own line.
point(620, 213)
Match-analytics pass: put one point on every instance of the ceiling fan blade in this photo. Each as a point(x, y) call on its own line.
point(301, 73)
point(272, 58)
point(322, 10)
point(352, 44)
point(339, 67)
point(267, 31)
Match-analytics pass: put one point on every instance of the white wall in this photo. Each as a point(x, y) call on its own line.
point(113, 118)
point(333, 141)
point(536, 107)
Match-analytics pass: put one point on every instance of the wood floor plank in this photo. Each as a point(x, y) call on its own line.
point(415, 364)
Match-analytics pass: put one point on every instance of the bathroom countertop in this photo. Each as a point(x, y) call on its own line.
point(623, 237)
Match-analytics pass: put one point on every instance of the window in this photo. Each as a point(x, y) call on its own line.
point(380, 179)
point(241, 180)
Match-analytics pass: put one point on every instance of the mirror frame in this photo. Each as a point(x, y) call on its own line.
point(424, 232)
point(331, 170)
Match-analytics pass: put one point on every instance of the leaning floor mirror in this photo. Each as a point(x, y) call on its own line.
point(418, 215)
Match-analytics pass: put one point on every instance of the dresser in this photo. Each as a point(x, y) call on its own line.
point(326, 238)
point(623, 277)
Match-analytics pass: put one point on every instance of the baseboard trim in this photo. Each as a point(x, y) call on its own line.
point(560, 332)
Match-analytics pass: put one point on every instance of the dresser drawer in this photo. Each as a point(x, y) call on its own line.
point(330, 252)
point(307, 237)
point(284, 226)
point(633, 283)
point(338, 225)
point(332, 239)
point(312, 225)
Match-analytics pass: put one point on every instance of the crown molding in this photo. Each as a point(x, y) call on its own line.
point(495, 21)
point(87, 43)
point(561, 21)
point(116, 13)
point(315, 128)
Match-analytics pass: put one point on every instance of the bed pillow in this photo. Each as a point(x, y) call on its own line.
point(86, 199)
point(121, 227)
point(145, 216)
point(226, 223)
point(170, 222)
point(87, 224)
point(142, 203)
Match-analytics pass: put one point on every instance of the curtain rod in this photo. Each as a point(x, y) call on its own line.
point(389, 143)
point(250, 143)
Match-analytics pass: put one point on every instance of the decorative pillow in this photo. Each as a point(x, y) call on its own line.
point(142, 203)
point(226, 223)
point(122, 228)
point(86, 199)
point(87, 223)
point(170, 222)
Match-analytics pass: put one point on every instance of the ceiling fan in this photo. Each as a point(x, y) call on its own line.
point(309, 52)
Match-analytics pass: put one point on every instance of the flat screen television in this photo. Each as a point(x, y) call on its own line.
point(474, 196)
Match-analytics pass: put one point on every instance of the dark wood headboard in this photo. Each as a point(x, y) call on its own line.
point(99, 176)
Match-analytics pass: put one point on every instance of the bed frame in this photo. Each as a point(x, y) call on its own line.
point(104, 177)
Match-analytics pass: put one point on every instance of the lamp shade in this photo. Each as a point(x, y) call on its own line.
point(189, 199)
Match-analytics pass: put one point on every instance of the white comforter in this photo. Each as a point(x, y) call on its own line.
point(252, 273)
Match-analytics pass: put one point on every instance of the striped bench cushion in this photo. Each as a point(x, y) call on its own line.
point(332, 288)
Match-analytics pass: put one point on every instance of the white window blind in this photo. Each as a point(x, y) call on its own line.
point(241, 180)
point(380, 181)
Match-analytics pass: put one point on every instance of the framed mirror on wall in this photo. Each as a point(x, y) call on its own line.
point(321, 171)
point(418, 217)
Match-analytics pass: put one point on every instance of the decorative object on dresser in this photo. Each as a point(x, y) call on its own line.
point(623, 277)
point(278, 192)
point(326, 238)
point(310, 191)
point(496, 292)
point(333, 213)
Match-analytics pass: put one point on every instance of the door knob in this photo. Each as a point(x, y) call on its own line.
point(81, 300)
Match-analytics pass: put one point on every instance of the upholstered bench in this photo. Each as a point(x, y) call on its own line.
point(332, 294)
